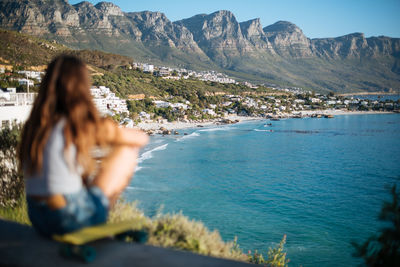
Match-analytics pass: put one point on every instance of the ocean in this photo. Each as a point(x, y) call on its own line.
point(319, 181)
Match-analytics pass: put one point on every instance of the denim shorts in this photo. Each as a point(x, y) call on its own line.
point(87, 207)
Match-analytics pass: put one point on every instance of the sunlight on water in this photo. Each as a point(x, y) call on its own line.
point(320, 181)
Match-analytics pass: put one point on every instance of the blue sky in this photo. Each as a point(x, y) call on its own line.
point(317, 18)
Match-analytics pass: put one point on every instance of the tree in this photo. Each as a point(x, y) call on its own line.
point(384, 249)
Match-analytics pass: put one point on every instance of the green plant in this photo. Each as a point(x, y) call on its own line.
point(178, 231)
point(276, 256)
point(16, 213)
point(384, 249)
point(11, 182)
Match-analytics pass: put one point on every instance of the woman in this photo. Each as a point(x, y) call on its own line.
point(65, 188)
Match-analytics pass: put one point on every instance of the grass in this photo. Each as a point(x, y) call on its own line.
point(18, 213)
point(172, 231)
point(177, 231)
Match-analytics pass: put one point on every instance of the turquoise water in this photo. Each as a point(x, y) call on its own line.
point(319, 181)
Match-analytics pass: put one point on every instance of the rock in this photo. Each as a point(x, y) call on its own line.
point(288, 40)
point(166, 132)
point(176, 133)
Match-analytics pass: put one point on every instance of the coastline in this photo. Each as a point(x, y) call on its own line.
point(179, 125)
point(153, 127)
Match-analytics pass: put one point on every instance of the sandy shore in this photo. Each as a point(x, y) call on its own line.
point(177, 125)
point(152, 126)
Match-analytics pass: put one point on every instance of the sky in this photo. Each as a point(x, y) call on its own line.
point(317, 18)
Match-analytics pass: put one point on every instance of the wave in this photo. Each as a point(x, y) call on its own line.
point(258, 130)
point(149, 154)
point(194, 134)
point(216, 129)
point(138, 168)
point(145, 189)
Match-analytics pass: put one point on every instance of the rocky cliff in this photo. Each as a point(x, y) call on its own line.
point(278, 53)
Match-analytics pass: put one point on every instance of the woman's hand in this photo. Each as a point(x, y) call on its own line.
point(132, 137)
point(124, 136)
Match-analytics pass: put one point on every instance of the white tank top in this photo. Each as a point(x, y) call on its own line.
point(56, 176)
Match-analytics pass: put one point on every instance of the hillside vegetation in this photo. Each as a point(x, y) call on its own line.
point(127, 82)
point(27, 51)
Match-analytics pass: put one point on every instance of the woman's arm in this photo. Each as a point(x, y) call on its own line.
point(124, 136)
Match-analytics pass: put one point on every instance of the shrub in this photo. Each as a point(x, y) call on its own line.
point(11, 182)
point(178, 231)
point(276, 256)
point(384, 249)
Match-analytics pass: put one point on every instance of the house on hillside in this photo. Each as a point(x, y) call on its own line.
point(161, 104)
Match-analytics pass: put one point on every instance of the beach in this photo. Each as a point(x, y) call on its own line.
point(177, 125)
point(164, 125)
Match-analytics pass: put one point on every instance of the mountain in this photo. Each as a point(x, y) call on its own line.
point(279, 53)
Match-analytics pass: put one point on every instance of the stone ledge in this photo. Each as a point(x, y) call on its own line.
point(20, 245)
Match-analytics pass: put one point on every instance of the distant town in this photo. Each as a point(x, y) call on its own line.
point(16, 102)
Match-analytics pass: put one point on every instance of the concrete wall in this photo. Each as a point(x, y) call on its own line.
point(8, 114)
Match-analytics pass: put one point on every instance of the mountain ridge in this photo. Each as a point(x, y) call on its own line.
point(279, 53)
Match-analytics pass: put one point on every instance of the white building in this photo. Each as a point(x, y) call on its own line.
point(144, 115)
point(179, 106)
point(25, 82)
point(148, 68)
point(32, 74)
point(208, 111)
point(10, 114)
point(106, 101)
point(16, 107)
point(161, 104)
point(164, 71)
point(299, 101)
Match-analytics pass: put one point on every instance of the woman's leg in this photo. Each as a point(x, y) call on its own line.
point(116, 171)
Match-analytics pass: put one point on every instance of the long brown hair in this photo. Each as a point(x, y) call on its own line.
point(64, 93)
